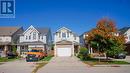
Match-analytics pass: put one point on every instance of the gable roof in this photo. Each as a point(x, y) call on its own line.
point(123, 30)
point(66, 29)
point(29, 28)
point(8, 31)
point(43, 31)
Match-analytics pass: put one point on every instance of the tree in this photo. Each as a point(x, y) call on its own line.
point(105, 35)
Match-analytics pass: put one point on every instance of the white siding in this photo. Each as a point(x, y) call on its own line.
point(5, 39)
point(70, 38)
point(27, 33)
point(127, 35)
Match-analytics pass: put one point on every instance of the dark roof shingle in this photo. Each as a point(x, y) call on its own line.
point(8, 31)
point(43, 31)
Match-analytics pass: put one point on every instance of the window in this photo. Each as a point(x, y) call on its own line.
point(63, 35)
point(74, 37)
point(29, 37)
point(67, 34)
point(59, 34)
point(129, 37)
point(42, 37)
point(34, 35)
point(26, 37)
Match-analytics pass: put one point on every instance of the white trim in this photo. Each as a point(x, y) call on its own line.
point(63, 28)
point(29, 28)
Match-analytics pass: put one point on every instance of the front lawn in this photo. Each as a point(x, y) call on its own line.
point(48, 58)
point(5, 59)
point(95, 61)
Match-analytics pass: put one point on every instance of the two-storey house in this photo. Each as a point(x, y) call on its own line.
point(66, 42)
point(126, 32)
point(35, 38)
point(8, 38)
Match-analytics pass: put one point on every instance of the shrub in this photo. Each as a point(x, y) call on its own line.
point(83, 53)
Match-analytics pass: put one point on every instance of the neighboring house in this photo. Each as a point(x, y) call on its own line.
point(9, 37)
point(84, 42)
point(35, 38)
point(126, 32)
point(66, 42)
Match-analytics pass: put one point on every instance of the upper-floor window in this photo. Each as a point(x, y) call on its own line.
point(63, 35)
point(59, 34)
point(129, 37)
point(67, 34)
point(34, 35)
point(42, 37)
point(74, 37)
point(26, 37)
point(29, 37)
point(39, 37)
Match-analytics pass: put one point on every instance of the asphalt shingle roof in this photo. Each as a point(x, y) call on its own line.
point(43, 31)
point(123, 30)
point(8, 31)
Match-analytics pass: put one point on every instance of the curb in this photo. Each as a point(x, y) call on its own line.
point(111, 65)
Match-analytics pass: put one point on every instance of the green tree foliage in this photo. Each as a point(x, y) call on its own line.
point(83, 53)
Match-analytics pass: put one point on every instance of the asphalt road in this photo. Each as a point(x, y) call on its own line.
point(19, 66)
point(59, 65)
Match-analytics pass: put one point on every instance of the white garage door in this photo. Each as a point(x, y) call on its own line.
point(63, 52)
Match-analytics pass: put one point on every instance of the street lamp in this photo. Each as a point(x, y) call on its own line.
point(98, 52)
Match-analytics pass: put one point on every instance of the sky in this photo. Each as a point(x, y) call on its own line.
point(78, 15)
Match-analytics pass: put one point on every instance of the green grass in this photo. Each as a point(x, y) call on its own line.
point(5, 59)
point(94, 61)
point(48, 58)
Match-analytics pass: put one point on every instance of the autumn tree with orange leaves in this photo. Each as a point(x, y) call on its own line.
point(105, 37)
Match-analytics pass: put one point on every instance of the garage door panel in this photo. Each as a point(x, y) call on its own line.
point(63, 51)
point(63, 46)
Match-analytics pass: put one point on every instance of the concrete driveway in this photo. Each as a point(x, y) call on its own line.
point(73, 65)
point(64, 65)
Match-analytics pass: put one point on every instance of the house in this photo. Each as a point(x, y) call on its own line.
point(84, 43)
point(66, 42)
point(126, 32)
point(123, 31)
point(34, 38)
point(8, 38)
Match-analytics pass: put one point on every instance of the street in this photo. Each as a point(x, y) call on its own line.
point(19, 66)
point(59, 65)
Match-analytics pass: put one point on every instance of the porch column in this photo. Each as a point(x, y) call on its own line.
point(89, 49)
point(5, 51)
point(55, 50)
point(72, 48)
point(18, 50)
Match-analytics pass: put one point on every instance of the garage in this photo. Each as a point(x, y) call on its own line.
point(63, 52)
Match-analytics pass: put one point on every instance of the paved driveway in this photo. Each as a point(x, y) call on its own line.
point(73, 65)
